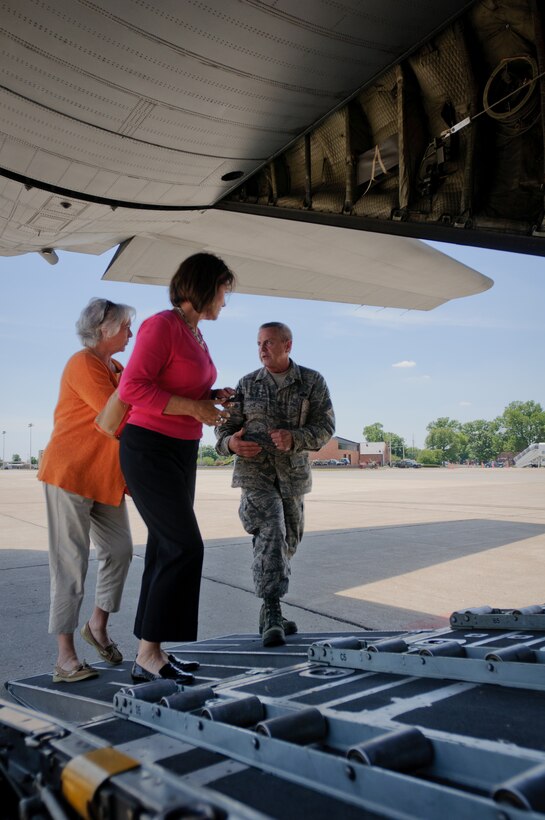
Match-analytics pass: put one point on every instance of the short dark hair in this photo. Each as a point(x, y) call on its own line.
point(285, 333)
point(197, 280)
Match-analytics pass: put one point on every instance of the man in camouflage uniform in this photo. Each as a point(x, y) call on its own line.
point(278, 414)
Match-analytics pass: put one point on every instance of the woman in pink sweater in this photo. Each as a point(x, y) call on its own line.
point(168, 382)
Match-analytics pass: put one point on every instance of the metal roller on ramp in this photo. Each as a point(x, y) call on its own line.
point(426, 724)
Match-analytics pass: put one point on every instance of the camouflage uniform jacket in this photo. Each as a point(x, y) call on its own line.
point(301, 405)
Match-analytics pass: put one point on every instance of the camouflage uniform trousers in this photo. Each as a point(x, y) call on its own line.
point(277, 525)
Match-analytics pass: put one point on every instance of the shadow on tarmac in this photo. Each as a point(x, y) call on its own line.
point(326, 563)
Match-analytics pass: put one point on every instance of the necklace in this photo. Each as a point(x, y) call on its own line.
point(195, 332)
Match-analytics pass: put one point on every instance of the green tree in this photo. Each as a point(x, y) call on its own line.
point(397, 444)
point(16, 458)
point(521, 424)
point(374, 432)
point(447, 440)
point(445, 434)
point(463, 446)
point(207, 451)
point(444, 422)
point(433, 457)
point(483, 440)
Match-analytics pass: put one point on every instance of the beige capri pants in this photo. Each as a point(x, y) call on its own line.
point(73, 522)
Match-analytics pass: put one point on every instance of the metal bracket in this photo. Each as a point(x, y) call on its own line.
point(517, 666)
point(530, 618)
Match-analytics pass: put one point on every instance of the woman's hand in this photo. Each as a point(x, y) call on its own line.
point(206, 412)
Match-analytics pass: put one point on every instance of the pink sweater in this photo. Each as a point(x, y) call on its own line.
point(167, 361)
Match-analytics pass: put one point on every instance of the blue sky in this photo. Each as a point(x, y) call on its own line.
point(467, 359)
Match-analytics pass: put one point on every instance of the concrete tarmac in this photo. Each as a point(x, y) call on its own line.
point(384, 549)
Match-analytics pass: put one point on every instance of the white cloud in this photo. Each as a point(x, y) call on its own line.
point(464, 403)
point(404, 363)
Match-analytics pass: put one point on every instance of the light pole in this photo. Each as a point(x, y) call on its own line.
point(30, 426)
point(3, 448)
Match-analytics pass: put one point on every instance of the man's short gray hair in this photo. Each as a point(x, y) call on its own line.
point(102, 319)
point(285, 331)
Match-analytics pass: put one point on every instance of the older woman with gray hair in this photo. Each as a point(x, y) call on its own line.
point(84, 491)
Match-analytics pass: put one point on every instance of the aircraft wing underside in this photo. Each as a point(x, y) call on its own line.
point(293, 139)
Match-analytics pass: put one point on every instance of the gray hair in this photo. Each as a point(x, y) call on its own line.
point(102, 319)
point(285, 332)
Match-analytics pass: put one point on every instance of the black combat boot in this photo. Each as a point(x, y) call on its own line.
point(290, 627)
point(273, 628)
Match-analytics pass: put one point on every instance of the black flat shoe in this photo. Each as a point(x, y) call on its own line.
point(138, 673)
point(183, 666)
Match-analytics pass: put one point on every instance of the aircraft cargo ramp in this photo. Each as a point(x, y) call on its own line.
point(445, 723)
point(534, 455)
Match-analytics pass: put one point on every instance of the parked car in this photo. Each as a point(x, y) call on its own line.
point(407, 462)
point(330, 462)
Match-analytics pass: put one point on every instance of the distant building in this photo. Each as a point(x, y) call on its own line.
point(374, 452)
point(359, 454)
point(338, 448)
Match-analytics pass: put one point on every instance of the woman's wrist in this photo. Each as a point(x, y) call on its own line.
point(180, 406)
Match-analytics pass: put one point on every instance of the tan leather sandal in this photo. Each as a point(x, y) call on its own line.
point(81, 672)
point(110, 653)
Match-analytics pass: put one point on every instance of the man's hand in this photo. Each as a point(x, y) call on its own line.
point(246, 449)
point(282, 440)
point(223, 395)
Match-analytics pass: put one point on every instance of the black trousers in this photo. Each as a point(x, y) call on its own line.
point(160, 472)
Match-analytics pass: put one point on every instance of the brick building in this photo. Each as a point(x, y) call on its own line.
point(360, 454)
point(338, 448)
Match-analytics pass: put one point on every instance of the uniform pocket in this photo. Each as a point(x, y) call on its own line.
point(299, 461)
point(256, 409)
